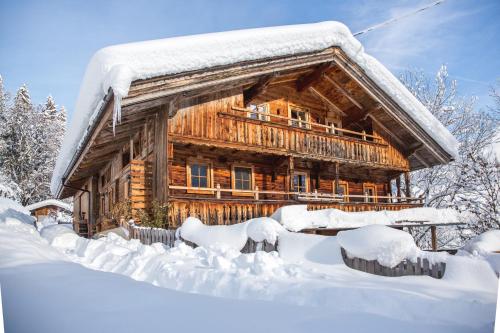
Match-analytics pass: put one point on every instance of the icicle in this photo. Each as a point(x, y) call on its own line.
point(117, 111)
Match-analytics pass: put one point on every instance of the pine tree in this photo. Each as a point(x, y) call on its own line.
point(50, 108)
point(30, 140)
point(4, 100)
point(18, 158)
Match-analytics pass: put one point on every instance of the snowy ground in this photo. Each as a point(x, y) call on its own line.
point(58, 282)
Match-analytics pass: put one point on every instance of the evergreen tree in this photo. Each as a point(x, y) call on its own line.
point(18, 157)
point(4, 100)
point(30, 140)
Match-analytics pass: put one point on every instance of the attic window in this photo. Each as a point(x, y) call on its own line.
point(259, 111)
point(299, 117)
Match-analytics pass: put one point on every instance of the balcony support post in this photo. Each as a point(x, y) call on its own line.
point(389, 190)
point(131, 148)
point(290, 174)
point(433, 238)
point(337, 187)
point(407, 185)
point(398, 188)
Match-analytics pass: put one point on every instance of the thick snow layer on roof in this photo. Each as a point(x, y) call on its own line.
point(117, 66)
point(50, 202)
point(297, 217)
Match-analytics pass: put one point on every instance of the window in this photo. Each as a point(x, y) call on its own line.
point(260, 111)
point(370, 192)
point(299, 117)
point(300, 182)
point(199, 175)
point(242, 179)
point(343, 190)
point(332, 126)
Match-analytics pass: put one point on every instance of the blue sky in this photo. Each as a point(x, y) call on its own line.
point(47, 44)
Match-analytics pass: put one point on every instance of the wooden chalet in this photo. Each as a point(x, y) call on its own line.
point(233, 142)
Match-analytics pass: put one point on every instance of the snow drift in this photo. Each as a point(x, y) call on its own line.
point(307, 283)
point(115, 68)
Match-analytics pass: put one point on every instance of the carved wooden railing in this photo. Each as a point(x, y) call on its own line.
point(234, 128)
point(314, 196)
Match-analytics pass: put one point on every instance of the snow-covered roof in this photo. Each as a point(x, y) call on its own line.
point(50, 202)
point(117, 66)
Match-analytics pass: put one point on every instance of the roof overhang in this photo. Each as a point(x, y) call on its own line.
point(146, 97)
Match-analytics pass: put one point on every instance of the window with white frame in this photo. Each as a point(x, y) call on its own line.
point(259, 111)
point(299, 117)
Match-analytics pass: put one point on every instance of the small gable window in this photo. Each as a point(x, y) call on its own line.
point(259, 112)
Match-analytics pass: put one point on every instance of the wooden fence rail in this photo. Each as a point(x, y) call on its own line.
point(252, 246)
point(149, 236)
point(406, 267)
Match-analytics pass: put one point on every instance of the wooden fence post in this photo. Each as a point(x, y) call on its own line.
point(218, 191)
point(433, 238)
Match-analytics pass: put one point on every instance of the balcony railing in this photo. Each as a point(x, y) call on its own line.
point(283, 135)
point(314, 196)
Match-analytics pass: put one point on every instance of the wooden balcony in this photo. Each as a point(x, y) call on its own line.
point(275, 134)
point(218, 210)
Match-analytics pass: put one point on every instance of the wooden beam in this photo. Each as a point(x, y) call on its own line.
point(328, 101)
point(390, 106)
point(398, 187)
point(382, 126)
point(421, 160)
point(258, 88)
point(343, 91)
point(413, 149)
point(407, 185)
point(433, 238)
point(337, 182)
point(307, 80)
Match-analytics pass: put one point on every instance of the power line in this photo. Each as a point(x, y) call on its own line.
point(383, 24)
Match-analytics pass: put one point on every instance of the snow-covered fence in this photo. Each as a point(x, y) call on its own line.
point(149, 236)
point(406, 267)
